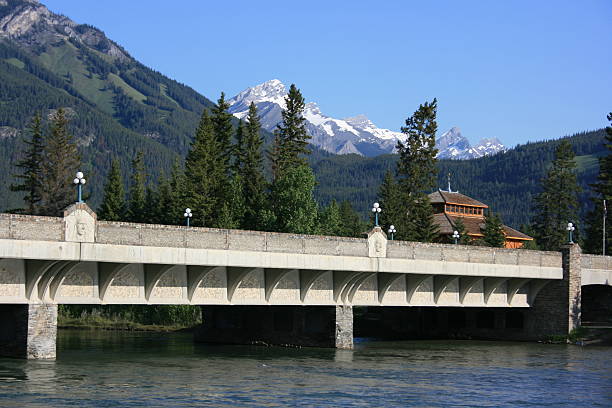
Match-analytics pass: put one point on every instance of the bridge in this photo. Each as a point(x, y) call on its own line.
point(271, 287)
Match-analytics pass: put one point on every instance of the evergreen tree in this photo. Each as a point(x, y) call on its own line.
point(62, 161)
point(137, 203)
point(330, 222)
point(464, 238)
point(233, 207)
point(390, 202)
point(291, 138)
point(178, 195)
point(151, 208)
point(557, 203)
point(163, 205)
point(251, 171)
point(594, 241)
point(351, 225)
point(203, 174)
point(113, 203)
point(527, 229)
point(31, 167)
point(223, 131)
point(417, 172)
point(295, 209)
point(493, 232)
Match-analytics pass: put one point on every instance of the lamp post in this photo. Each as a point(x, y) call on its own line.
point(376, 210)
point(570, 229)
point(456, 237)
point(392, 231)
point(79, 181)
point(187, 215)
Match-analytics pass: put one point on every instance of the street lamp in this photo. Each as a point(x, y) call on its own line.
point(187, 215)
point(392, 231)
point(570, 229)
point(79, 181)
point(456, 236)
point(376, 210)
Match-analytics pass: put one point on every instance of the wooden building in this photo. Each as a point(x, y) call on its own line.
point(450, 206)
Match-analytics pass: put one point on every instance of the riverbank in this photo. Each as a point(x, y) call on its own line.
point(103, 323)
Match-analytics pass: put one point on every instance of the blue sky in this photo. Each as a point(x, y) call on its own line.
point(517, 70)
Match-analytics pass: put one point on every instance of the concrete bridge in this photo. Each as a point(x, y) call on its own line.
point(271, 287)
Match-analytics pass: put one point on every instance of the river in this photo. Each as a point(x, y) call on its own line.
point(132, 369)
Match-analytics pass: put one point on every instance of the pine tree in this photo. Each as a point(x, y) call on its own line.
point(464, 238)
point(163, 205)
point(557, 203)
point(493, 232)
point(527, 229)
point(416, 170)
point(295, 209)
point(330, 222)
point(203, 174)
point(136, 207)
point(62, 161)
point(352, 225)
point(113, 203)
point(223, 131)
point(233, 207)
point(603, 191)
point(291, 137)
point(251, 172)
point(31, 167)
point(178, 196)
point(390, 202)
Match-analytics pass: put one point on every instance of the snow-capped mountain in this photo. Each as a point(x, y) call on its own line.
point(453, 145)
point(355, 135)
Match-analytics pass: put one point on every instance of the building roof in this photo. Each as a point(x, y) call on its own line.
point(446, 197)
point(473, 226)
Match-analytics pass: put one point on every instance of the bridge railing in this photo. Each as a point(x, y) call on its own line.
point(25, 227)
point(596, 262)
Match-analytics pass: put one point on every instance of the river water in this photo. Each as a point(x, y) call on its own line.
point(128, 369)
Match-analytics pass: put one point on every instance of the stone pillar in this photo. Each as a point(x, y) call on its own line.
point(309, 326)
point(28, 331)
point(344, 327)
point(556, 309)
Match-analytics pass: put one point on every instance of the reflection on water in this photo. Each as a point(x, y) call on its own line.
point(98, 369)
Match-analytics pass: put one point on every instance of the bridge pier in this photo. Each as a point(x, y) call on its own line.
point(556, 308)
point(28, 331)
point(310, 326)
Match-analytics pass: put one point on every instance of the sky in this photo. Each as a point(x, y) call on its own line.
point(516, 70)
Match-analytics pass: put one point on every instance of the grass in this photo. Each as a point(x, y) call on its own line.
point(63, 59)
point(105, 323)
point(129, 91)
point(587, 162)
point(16, 62)
point(575, 336)
point(163, 89)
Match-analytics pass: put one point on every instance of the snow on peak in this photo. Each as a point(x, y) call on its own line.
point(273, 91)
point(453, 145)
point(357, 134)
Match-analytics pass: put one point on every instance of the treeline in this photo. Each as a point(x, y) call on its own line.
point(223, 181)
point(507, 182)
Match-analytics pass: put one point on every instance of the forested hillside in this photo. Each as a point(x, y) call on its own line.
point(506, 181)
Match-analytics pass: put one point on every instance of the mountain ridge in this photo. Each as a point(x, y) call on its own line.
point(352, 135)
